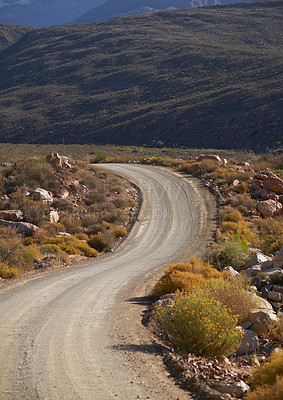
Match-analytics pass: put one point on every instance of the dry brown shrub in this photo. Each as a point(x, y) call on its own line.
point(7, 272)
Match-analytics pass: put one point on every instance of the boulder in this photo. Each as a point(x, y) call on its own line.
point(42, 194)
point(62, 234)
point(25, 228)
point(232, 271)
point(62, 193)
point(211, 157)
point(54, 216)
point(262, 304)
point(261, 193)
point(58, 161)
point(277, 261)
point(11, 215)
point(249, 344)
point(261, 177)
point(252, 271)
point(237, 389)
point(165, 303)
point(268, 208)
point(258, 258)
point(275, 296)
point(273, 271)
point(260, 320)
point(273, 184)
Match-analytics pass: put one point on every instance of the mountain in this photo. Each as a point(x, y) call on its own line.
point(44, 12)
point(202, 77)
point(114, 8)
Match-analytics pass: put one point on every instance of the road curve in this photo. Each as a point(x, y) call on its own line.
point(56, 328)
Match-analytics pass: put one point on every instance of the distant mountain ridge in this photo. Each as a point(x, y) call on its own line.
point(114, 8)
point(203, 77)
point(40, 13)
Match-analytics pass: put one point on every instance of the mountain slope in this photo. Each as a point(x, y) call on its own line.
point(114, 8)
point(207, 77)
point(45, 12)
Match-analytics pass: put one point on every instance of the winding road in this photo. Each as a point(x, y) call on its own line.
point(69, 334)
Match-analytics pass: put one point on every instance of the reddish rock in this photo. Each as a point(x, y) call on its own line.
point(11, 215)
point(58, 161)
point(273, 184)
point(260, 177)
point(268, 208)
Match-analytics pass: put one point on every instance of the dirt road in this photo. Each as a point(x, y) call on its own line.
point(77, 333)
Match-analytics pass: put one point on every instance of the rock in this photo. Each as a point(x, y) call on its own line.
point(54, 216)
point(42, 194)
point(252, 271)
point(238, 389)
point(62, 193)
point(261, 193)
point(278, 288)
point(62, 234)
point(165, 303)
point(277, 261)
point(275, 296)
point(280, 199)
point(268, 208)
point(260, 320)
point(249, 344)
point(262, 304)
point(246, 325)
point(211, 157)
point(236, 182)
point(261, 177)
point(232, 271)
point(11, 215)
point(22, 227)
point(273, 271)
point(243, 164)
point(258, 258)
point(58, 161)
point(273, 184)
point(265, 265)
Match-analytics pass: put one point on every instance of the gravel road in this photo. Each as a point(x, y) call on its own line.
point(76, 333)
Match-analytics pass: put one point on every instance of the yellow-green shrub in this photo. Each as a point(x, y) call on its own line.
point(270, 232)
point(200, 326)
point(231, 292)
point(242, 187)
point(51, 248)
point(234, 253)
point(234, 216)
point(8, 272)
point(34, 250)
point(241, 228)
point(119, 232)
point(267, 381)
point(184, 277)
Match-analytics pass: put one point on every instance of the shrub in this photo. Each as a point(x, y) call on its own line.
point(184, 277)
point(275, 332)
point(63, 204)
point(8, 272)
point(242, 187)
point(234, 216)
point(267, 381)
point(119, 232)
point(200, 326)
point(270, 232)
point(231, 292)
point(101, 241)
point(50, 248)
point(241, 229)
point(72, 224)
point(235, 253)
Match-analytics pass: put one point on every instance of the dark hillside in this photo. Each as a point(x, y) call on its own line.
point(206, 77)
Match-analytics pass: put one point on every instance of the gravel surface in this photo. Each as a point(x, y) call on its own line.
point(77, 333)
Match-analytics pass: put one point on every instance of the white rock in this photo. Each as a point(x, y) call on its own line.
point(62, 234)
point(252, 271)
point(277, 261)
point(41, 194)
point(273, 271)
point(238, 389)
point(258, 258)
point(54, 216)
point(232, 271)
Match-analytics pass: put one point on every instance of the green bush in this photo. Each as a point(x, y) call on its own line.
point(200, 326)
point(235, 253)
